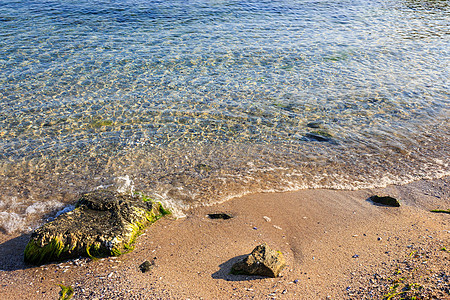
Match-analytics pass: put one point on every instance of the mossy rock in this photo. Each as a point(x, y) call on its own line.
point(104, 223)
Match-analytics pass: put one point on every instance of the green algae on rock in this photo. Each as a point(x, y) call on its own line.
point(104, 223)
point(66, 292)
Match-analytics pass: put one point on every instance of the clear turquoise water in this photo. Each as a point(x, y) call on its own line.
point(199, 101)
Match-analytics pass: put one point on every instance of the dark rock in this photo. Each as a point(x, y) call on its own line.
point(315, 124)
point(146, 266)
point(442, 211)
point(319, 136)
point(262, 261)
point(387, 200)
point(104, 223)
point(222, 216)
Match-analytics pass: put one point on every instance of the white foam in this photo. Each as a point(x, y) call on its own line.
point(64, 210)
point(174, 206)
point(11, 222)
point(43, 207)
point(18, 218)
point(100, 187)
point(124, 184)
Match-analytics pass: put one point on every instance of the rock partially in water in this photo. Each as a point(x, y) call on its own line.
point(262, 261)
point(385, 200)
point(104, 223)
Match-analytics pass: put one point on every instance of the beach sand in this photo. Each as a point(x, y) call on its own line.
point(337, 244)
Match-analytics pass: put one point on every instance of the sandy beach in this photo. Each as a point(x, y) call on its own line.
point(337, 244)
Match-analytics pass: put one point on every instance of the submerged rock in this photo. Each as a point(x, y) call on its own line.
point(319, 136)
point(315, 124)
point(387, 200)
point(262, 261)
point(104, 223)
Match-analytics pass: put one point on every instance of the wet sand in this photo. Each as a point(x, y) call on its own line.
point(338, 245)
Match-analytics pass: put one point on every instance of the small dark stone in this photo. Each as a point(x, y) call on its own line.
point(315, 124)
point(387, 200)
point(318, 137)
point(203, 167)
point(223, 216)
point(146, 266)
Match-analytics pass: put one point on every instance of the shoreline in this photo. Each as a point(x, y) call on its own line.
point(336, 244)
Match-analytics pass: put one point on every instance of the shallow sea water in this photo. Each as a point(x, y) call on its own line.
point(194, 102)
